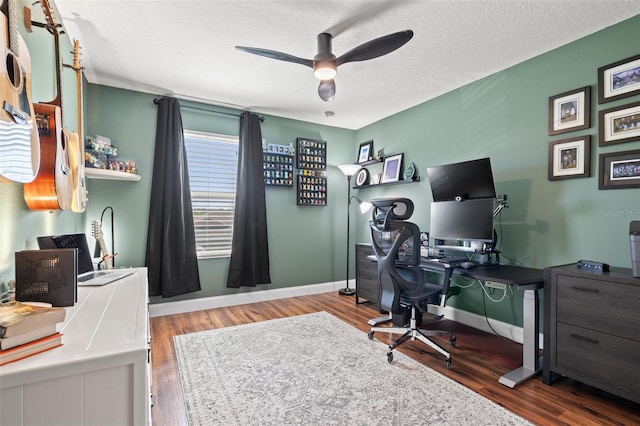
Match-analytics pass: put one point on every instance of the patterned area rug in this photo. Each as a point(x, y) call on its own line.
point(315, 369)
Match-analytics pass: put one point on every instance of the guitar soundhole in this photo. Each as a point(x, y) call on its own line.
point(14, 72)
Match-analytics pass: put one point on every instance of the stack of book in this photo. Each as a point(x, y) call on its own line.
point(26, 330)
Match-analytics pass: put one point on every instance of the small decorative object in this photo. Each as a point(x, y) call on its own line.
point(366, 152)
point(380, 154)
point(570, 111)
point(391, 169)
point(619, 170)
point(570, 158)
point(619, 80)
point(362, 177)
point(409, 172)
point(619, 125)
point(375, 179)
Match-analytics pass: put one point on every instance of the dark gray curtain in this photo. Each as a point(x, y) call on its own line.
point(249, 263)
point(171, 247)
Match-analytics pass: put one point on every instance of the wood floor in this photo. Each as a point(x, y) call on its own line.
point(564, 403)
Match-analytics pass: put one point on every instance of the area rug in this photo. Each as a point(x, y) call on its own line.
point(317, 370)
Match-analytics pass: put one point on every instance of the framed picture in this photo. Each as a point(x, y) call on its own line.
point(619, 80)
point(619, 125)
point(570, 111)
point(366, 152)
point(620, 170)
point(570, 158)
point(391, 168)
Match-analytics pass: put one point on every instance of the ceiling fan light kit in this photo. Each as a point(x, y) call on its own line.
point(325, 64)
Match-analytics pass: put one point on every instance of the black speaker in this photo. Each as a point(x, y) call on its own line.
point(49, 276)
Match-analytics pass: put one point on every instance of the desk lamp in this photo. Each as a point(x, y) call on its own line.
point(349, 170)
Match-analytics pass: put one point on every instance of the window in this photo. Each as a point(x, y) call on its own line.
point(213, 162)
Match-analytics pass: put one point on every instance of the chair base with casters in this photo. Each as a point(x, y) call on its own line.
point(414, 333)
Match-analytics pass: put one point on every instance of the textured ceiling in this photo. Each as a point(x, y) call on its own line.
point(186, 48)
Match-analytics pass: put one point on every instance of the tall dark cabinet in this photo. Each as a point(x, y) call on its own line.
point(592, 328)
point(367, 285)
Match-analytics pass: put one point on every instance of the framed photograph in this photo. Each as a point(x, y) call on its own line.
point(619, 170)
point(391, 168)
point(619, 80)
point(619, 125)
point(570, 111)
point(366, 152)
point(570, 158)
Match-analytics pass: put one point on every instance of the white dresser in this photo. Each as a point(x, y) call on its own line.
point(102, 373)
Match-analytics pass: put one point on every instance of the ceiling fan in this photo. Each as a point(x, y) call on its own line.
point(325, 63)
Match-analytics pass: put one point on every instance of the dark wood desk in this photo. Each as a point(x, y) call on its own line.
point(531, 280)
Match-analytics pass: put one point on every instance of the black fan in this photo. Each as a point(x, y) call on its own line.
point(325, 63)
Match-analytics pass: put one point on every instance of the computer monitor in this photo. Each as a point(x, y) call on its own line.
point(467, 180)
point(462, 221)
point(79, 241)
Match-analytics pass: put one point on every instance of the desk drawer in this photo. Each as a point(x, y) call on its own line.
point(598, 359)
point(367, 283)
point(603, 306)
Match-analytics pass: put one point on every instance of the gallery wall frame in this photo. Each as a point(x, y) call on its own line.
point(619, 80)
point(619, 125)
point(391, 168)
point(365, 153)
point(570, 158)
point(570, 111)
point(619, 170)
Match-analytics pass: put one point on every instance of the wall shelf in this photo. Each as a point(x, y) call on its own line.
point(110, 175)
point(417, 179)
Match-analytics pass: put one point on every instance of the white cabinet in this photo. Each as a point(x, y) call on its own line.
point(101, 374)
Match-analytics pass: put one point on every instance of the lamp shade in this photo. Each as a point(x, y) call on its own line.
point(349, 169)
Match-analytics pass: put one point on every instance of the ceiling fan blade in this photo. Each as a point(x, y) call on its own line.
point(327, 90)
point(376, 48)
point(276, 55)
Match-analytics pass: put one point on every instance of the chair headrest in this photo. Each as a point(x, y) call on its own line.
point(389, 209)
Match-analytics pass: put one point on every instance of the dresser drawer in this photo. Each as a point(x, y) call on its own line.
point(604, 306)
point(367, 283)
point(598, 359)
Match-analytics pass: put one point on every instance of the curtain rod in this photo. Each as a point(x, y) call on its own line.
point(155, 101)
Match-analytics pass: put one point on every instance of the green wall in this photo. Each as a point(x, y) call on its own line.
point(503, 116)
point(306, 243)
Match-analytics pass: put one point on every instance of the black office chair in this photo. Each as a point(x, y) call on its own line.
point(396, 244)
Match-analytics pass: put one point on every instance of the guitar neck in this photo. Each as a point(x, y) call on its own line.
point(13, 27)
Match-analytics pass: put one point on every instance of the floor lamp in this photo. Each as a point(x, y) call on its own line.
point(349, 170)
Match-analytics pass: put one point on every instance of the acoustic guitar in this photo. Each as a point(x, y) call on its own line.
point(52, 188)
point(76, 147)
point(19, 140)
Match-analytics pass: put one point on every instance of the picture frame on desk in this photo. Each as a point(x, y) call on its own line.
point(570, 158)
point(570, 111)
point(619, 170)
point(618, 80)
point(619, 125)
point(365, 153)
point(391, 168)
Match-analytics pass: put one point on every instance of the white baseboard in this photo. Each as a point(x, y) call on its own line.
point(504, 329)
point(191, 305)
point(479, 322)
